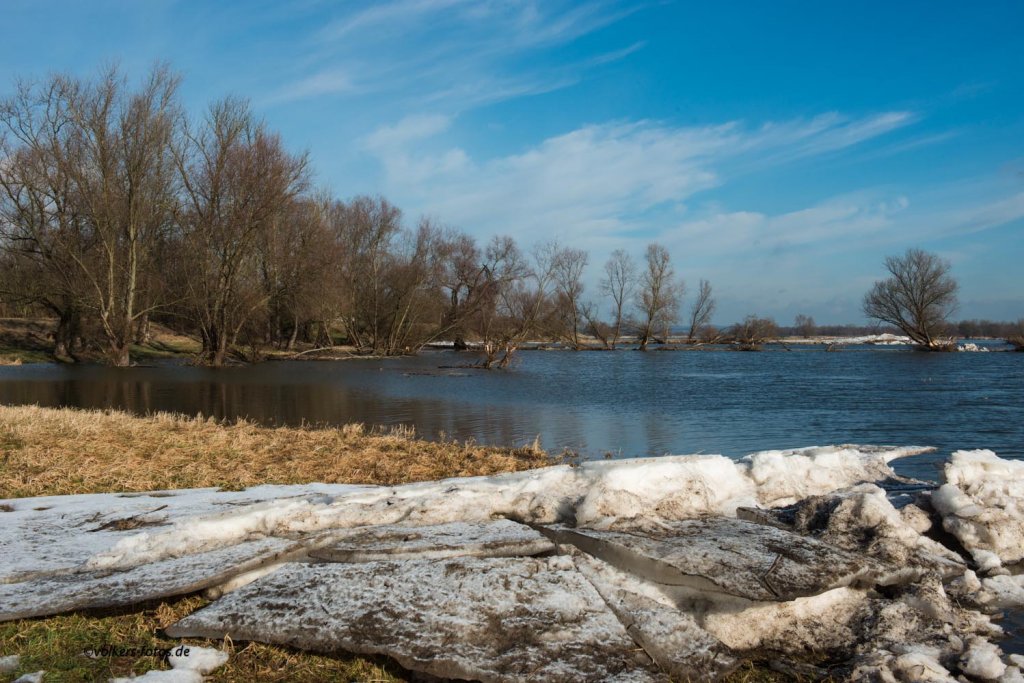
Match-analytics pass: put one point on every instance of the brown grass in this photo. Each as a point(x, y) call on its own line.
point(46, 451)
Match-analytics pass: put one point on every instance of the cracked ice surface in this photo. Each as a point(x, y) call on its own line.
point(489, 619)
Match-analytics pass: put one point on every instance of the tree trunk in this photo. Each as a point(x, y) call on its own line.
point(68, 329)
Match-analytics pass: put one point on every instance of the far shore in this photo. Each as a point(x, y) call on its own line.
point(26, 341)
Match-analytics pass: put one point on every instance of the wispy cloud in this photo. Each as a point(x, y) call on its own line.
point(598, 180)
point(462, 53)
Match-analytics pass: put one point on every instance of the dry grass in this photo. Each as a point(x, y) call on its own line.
point(46, 451)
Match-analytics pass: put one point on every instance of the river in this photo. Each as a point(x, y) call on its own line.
point(623, 403)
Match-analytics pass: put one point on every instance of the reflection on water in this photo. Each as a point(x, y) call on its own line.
point(624, 403)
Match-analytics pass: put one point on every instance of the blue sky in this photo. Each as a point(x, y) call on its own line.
point(779, 149)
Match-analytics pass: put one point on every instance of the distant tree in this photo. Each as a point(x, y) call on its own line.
point(701, 311)
point(618, 284)
point(1016, 336)
point(918, 298)
point(754, 331)
point(567, 271)
point(658, 295)
point(804, 325)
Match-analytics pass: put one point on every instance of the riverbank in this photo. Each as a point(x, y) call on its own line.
point(61, 451)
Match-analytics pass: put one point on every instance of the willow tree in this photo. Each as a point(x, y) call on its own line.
point(918, 297)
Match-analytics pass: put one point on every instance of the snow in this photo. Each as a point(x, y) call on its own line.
point(982, 504)
point(189, 663)
point(971, 347)
point(595, 494)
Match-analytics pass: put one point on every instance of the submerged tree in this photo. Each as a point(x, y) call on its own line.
point(568, 278)
point(238, 181)
point(89, 195)
point(918, 298)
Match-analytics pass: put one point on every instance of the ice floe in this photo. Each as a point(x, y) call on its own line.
point(652, 569)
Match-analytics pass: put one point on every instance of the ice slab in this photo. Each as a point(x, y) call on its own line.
point(500, 538)
point(726, 556)
point(59, 533)
point(56, 593)
point(488, 619)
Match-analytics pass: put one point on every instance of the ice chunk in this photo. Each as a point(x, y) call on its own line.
point(595, 494)
point(36, 677)
point(202, 660)
point(982, 661)
point(818, 623)
point(982, 504)
point(481, 618)
point(863, 520)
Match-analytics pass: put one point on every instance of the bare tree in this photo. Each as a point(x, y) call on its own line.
point(568, 279)
point(658, 297)
point(619, 284)
point(701, 311)
point(40, 223)
point(102, 189)
point(918, 298)
point(804, 325)
point(237, 181)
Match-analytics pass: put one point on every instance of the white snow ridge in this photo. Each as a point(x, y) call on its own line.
point(673, 568)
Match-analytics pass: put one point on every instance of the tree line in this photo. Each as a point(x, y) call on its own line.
point(118, 209)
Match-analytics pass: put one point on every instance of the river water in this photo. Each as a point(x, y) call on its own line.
point(623, 403)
